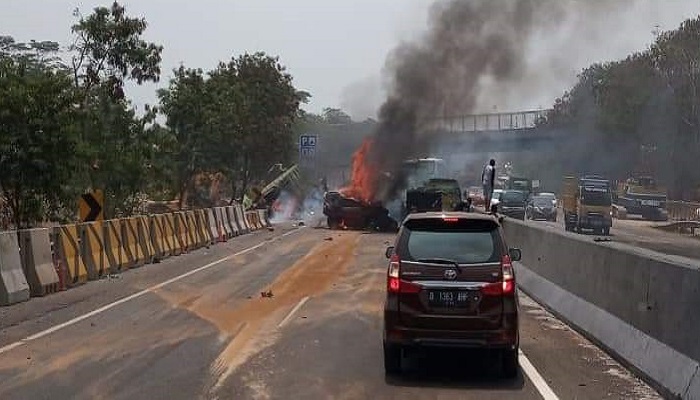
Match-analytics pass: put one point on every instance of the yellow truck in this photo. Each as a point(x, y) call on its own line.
point(587, 204)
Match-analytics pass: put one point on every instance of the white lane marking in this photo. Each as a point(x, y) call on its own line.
point(545, 391)
point(296, 308)
point(153, 288)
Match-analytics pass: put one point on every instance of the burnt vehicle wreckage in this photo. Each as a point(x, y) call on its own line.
point(345, 212)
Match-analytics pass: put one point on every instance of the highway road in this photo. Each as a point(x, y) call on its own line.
point(198, 327)
point(647, 235)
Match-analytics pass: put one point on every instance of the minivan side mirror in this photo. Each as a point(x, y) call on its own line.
point(389, 251)
point(515, 254)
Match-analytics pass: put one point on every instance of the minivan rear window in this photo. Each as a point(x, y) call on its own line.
point(463, 241)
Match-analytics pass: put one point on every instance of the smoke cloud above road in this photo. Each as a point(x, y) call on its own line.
point(474, 52)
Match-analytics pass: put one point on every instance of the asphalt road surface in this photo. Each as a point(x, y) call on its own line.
point(647, 235)
point(198, 327)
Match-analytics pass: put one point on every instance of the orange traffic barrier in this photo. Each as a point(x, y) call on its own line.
point(92, 249)
point(194, 238)
point(170, 244)
point(113, 245)
point(130, 243)
point(181, 234)
point(145, 241)
point(70, 265)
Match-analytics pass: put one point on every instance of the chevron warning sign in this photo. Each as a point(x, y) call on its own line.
point(91, 206)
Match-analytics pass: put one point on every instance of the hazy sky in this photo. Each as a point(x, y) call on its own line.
point(334, 49)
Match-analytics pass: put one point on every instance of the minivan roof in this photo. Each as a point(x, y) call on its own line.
point(452, 214)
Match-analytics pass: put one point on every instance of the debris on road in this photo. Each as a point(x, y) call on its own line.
point(602, 239)
point(267, 294)
point(328, 239)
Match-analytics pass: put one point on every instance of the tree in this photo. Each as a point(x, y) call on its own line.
point(336, 116)
point(185, 104)
point(256, 106)
point(107, 51)
point(37, 134)
point(677, 56)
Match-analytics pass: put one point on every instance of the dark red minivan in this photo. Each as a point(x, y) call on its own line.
point(451, 283)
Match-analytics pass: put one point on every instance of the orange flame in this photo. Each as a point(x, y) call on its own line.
point(363, 182)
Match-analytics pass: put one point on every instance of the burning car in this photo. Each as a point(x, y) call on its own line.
point(345, 212)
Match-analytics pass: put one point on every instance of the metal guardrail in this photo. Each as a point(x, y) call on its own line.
point(490, 122)
point(683, 211)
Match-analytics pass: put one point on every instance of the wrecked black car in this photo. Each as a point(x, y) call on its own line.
point(347, 213)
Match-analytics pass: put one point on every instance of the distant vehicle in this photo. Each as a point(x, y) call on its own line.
point(517, 183)
point(550, 196)
point(477, 195)
point(496, 197)
point(541, 207)
point(587, 204)
point(641, 195)
point(512, 203)
point(451, 282)
point(418, 172)
point(435, 195)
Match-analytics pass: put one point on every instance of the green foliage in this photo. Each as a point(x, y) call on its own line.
point(67, 129)
point(116, 144)
point(640, 114)
point(109, 50)
point(37, 134)
point(237, 120)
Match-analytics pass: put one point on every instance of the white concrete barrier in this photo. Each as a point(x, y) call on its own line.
point(13, 284)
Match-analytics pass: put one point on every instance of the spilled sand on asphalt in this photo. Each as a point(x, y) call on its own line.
point(251, 326)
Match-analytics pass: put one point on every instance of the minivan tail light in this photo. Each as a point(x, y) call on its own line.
point(508, 275)
point(394, 283)
point(507, 284)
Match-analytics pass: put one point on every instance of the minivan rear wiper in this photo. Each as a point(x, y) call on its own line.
point(438, 261)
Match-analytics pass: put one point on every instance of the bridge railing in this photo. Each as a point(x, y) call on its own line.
point(490, 122)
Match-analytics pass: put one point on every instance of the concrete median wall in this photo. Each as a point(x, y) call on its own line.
point(13, 284)
point(641, 305)
point(37, 261)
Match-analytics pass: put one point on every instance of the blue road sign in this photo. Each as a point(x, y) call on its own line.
point(307, 141)
point(307, 147)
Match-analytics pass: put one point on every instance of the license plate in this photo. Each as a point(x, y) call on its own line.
point(451, 299)
point(652, 203)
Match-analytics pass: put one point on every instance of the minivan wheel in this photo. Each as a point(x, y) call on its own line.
point(392, 359)
point(509, 363)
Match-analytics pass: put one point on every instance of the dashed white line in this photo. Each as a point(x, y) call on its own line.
point(153, 288)
point(296, 308)
point(540, 384)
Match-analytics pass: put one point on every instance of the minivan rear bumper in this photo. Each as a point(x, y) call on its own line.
point(492, 339)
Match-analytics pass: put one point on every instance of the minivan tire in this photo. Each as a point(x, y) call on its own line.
point(509, 363)
point(392, 359)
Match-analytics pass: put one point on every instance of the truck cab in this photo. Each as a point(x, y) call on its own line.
point(642, 195)
point(587, 204)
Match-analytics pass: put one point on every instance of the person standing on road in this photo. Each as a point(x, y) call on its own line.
point(488, 180)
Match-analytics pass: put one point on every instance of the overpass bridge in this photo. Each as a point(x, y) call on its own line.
point(495, 132)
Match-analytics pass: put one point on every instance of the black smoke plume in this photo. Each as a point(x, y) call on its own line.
point(468, 44)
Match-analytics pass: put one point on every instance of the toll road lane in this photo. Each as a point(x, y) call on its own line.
point(644, 234)
point(297, 317)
